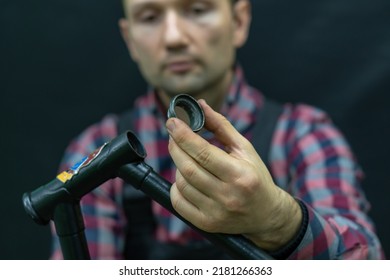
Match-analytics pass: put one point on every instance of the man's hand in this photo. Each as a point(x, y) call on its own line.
point(231, 190)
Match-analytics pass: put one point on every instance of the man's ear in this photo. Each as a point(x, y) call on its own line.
point(242, 16)
point(124, 30)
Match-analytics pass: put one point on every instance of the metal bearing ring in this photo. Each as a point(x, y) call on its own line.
point(186, 108)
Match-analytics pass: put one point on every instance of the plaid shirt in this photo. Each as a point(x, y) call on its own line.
point(308, 157)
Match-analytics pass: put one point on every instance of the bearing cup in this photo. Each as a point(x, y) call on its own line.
point(186, 108)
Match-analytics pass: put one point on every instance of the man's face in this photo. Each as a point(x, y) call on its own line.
point(181, 46)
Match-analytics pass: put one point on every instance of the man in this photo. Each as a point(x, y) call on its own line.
point(307, 205)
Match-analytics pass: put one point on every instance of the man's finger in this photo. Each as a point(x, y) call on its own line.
point(193, 173)
point(185, 208)
point(222, 129)
point(190, 193)
point(210, 157)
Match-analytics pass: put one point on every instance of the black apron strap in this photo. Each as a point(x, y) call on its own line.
point(263, 131)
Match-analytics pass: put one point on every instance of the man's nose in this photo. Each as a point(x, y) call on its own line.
point(175, 34)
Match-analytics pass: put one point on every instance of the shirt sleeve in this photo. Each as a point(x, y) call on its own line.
point(311, 159)
point(102, 213)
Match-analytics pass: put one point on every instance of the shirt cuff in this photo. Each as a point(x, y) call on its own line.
point(292, 245)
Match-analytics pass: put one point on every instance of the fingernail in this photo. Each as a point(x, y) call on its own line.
point(171, 125)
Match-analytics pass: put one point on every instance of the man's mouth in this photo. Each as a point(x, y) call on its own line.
point(180, 66)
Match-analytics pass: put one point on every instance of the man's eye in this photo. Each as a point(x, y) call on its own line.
point(198, 9)
point(148, 17)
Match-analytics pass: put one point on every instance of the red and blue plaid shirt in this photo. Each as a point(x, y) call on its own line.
point(308, 157)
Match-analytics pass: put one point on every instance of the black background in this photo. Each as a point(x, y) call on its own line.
point(63, 66)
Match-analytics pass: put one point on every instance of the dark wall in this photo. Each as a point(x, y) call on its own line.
point(63, 66)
